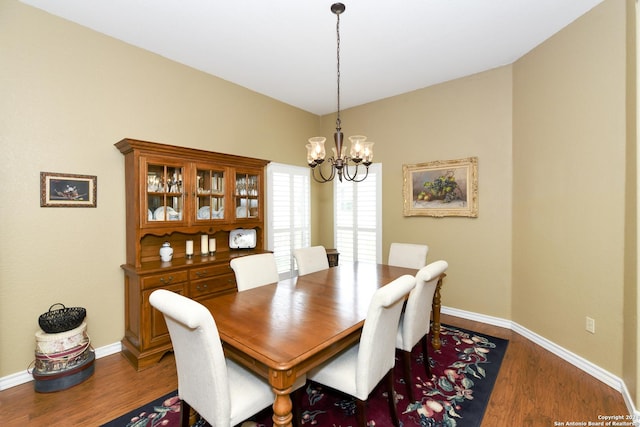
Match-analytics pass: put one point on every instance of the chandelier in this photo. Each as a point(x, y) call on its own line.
point(361, 150)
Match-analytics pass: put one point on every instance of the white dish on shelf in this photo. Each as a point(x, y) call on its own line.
point(204, 212)
point(172, 215)
point(241, 212)
point(150, 215)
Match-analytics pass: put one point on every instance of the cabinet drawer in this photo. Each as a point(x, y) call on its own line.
point(163, 279)
point(210, 271)
point(213, 285)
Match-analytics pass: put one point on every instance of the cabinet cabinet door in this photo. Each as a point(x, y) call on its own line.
point(153, 327)
point(162, 185)
point(210, 188)
point(247, 195)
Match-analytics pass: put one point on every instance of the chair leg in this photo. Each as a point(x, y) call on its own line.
point(361, 413)
point(406, 362)
point(185, 412)
point(425, 354)
point(392, 399)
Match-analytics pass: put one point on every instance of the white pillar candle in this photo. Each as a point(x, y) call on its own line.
point(212, 245)
point(204, 244)
point(189, 248)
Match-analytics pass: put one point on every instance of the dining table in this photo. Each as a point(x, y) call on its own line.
point(282, 330)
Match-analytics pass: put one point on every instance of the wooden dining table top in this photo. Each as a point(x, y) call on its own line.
point(282, 324)
point(282, 330)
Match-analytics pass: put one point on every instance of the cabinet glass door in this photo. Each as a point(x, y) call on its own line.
point(210, 188)
point(247, 195)
point(164, 193)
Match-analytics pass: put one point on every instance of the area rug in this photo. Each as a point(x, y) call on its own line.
point(456, 395)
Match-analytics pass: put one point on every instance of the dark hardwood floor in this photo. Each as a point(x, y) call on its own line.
point(534, 388)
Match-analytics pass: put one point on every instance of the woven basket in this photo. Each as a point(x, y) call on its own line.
point(62, 319)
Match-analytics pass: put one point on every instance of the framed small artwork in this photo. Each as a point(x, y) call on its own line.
point(67, 190)
point(441, 188)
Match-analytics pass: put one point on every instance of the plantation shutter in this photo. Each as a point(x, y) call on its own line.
point(288, 213)
point(358, 217)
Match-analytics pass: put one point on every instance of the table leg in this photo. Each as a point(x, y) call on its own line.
point(282, 384)
point(435, 309)
point(282, 407)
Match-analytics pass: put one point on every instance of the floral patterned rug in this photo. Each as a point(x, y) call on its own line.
point(456, 395)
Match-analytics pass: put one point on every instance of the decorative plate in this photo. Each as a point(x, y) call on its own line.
point(242, 238)
point(171, 214)
point(204, 212)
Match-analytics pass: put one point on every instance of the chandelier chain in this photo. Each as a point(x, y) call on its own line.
point(338, 62)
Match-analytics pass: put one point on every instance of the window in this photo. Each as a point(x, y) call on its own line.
point(288, 213)
point(358, 217)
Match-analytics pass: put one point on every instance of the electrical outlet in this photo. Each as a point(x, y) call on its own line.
point(591, 325)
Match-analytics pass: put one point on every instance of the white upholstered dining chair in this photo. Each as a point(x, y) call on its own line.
point(409, 255)
point(415, 320)
point(255, 270)
point(360, 368)
point(221, 391)
point(311, 259)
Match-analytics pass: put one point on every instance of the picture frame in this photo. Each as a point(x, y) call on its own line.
point(65, 190)
point(441, 188)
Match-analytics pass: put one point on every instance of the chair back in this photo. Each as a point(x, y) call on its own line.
point(408, 255)
point(311, 259)
point(255, 270)
point(200, 361)
point(376, 354)
point(416, 318)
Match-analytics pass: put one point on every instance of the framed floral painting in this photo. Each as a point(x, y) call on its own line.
point(441, 188)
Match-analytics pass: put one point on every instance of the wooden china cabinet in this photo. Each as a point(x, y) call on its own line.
point(177, 194)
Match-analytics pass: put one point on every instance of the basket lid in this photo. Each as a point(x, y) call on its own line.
point(44, 336)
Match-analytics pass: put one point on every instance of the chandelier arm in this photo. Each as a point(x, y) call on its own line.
point(346, 170)
point(355, 172)
point(366, 174)
point(353, 177)
point(315, 178)
point(324, 178)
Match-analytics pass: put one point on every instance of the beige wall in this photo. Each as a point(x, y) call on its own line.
point(69, 94)
point(569, 187)
point(549, 132)
point(631, 360)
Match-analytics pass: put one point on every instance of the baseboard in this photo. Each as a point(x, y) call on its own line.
point(25, 377)
point(595, 371)
point(477, 317)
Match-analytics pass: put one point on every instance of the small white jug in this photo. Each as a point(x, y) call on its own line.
point(166, 252)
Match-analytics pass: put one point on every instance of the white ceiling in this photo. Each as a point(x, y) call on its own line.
point(286, 49)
